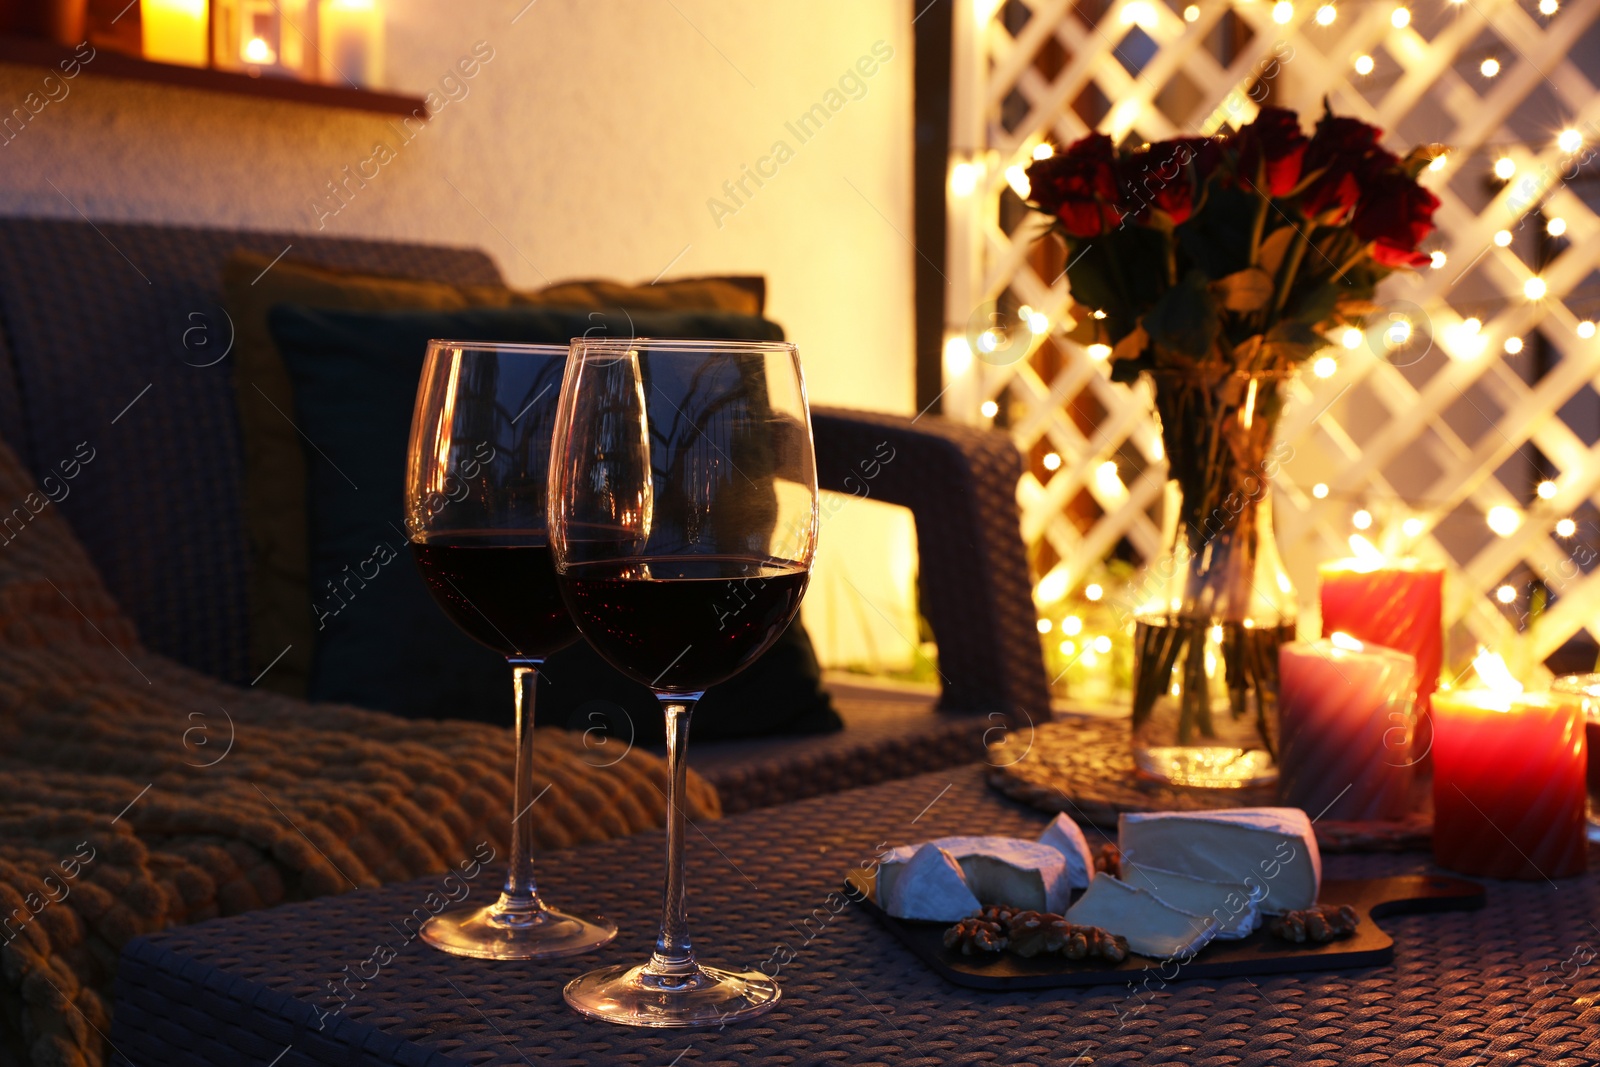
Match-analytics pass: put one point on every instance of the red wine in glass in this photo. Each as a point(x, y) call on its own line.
point(500, 588)
point(681, 624)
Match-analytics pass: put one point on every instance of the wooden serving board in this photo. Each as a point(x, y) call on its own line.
point(1260, 953)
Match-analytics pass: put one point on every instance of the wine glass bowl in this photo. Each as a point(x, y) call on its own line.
point(476, 507)
point(683, 523)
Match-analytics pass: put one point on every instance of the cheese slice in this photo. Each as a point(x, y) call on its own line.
point(1233, 905)
point(1153, 927)
point(928, 886)
point(999, 870)
point(1270, 851)
point(1064, 836)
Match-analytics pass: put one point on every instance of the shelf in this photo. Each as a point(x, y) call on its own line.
point(34, 52)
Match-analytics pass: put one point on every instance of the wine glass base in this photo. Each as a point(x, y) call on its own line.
point(628, 996)
point(501, 933)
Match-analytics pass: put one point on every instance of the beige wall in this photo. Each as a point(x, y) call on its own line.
point(591, 143)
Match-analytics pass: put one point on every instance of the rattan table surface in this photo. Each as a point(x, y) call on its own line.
point(1518, 982)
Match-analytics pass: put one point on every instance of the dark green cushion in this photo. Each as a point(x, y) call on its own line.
point(385, 644)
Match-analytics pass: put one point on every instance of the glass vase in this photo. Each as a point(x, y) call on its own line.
point(1218, 604)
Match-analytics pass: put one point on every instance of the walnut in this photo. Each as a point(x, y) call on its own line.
point(1318, 925)
point(997, 913)
point(1032, 933)
point(974, 936)
point(1108, 859)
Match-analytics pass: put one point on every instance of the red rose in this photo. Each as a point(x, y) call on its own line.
point(1159, 176)
point(1271, 149)
point(1079, 186)
point(1396, 214)
point(1343, 150)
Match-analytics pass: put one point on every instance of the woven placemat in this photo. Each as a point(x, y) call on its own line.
point(1084, 767)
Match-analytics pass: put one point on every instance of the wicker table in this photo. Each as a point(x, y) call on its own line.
point(1517, 982)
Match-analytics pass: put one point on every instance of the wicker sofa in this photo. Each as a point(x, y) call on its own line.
point(115, 334)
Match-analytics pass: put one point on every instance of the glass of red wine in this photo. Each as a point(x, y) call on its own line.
point(475, 516)
point(683, 520)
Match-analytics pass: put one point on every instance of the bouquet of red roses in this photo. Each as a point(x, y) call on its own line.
point(1243, 249)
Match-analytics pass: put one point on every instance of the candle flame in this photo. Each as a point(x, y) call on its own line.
point(1367, 554)
point(1343, 640)
point(1494, 674)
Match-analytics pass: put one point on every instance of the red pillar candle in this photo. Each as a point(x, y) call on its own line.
point(1344, 713)
point(1508, 783)
point(1396, 604)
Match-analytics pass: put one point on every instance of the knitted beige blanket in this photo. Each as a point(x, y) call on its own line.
point(136, 794)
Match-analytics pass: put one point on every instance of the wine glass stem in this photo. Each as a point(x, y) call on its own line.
point(521, 893)
point(674, 957)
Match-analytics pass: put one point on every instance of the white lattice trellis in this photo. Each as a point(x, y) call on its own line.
point(1434, 437)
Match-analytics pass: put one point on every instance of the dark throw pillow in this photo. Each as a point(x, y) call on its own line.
point(380, 641)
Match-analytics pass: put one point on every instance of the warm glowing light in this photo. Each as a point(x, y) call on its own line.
point(1044, 626)
point(1547, 490)
point(1340, 639)
point(1093, 592)
point(1051, 461)
point(1366, 552)
point(1069, 648)
point(1017, 178)
point(1513, 345)
point(1437, 260)
point(1504, 168)
point(1044, 150)
point(1325, 367)
point(1566, 528)
point(1282, 12)
point(1320, 490)
point(1351, 338)
point(988, 341)
point(1102, 644)
point(964, 178)
point(1401, 18)
point(259, 52)
point(1585, 329)
point(1398, 333)
point(1505, 594)
point(1362, 520)
point(1489, 67)
point(1326, 14)
point(1412, 527)
point(1549, 7)
point(1099, 314)
point(1038, 322)
point(1503, 520)
point(957, 357)
point(1556, 227)
point(1438, 162)
point(1099, 352)
point(1089, 659)
point(1139, 13)
point(1072, 626)
point(1535, 288)
point(1108, 481)
point(1502, 238)
point(1191, 13)
point(1493, 672)
point(1364, 65)
point(990, 409)
point(1472, 325)
point(1053, 586)
point(1569, 141)
point(172, 31)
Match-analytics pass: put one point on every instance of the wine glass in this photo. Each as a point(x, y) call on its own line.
point(683, 520)
point(475, 517)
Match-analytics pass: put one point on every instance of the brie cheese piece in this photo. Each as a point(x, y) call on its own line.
point(1233, 905)
point(928, 885)
point(1271, 851)
point(1153, 927)
point(1064, 836)
point(998, 870)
